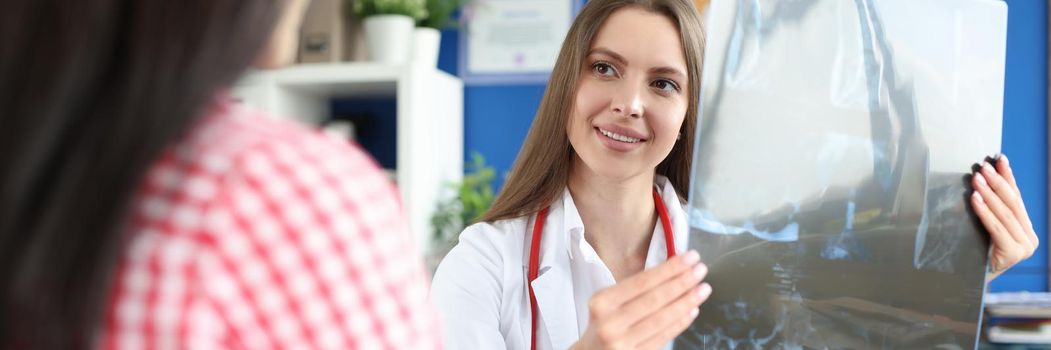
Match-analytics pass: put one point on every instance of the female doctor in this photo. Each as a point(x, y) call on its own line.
point(584, 247)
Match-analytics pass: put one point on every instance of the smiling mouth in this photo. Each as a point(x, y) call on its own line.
point(619, 137)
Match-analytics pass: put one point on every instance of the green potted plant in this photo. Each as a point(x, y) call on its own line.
point(472, 197)
point(389, 27)
point(427, 37)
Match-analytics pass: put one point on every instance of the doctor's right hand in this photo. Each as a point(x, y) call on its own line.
point(649, 309)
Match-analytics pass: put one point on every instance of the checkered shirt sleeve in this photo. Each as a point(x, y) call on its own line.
point(253, 233)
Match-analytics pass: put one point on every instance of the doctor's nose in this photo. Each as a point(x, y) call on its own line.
point(627, 102)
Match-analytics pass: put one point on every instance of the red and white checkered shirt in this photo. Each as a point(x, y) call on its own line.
point(253, 233)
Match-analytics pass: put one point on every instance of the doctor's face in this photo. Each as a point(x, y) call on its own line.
point(631, 97)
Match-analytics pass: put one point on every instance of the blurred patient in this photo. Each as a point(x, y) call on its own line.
point(139, 208)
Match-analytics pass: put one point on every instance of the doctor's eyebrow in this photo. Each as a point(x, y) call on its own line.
point(667, 71)
point(604, 51)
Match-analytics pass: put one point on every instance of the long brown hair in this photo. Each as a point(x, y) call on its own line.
point(541, 171)
point(91, 92)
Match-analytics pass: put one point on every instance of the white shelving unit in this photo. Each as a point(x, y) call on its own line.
point(429, 120)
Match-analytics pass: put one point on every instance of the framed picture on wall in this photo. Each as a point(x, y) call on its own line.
point(513, 41)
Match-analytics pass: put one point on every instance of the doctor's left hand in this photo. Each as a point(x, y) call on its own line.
point(998, 203)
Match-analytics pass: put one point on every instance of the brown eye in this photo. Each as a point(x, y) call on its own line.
point(665, 85)
point(604, 69)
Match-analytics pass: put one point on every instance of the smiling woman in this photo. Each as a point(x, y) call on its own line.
point(594, 198)
point(635, 67)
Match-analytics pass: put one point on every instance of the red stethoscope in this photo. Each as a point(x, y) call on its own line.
point(534, 250)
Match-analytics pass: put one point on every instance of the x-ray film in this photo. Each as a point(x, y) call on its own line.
point(831, 172)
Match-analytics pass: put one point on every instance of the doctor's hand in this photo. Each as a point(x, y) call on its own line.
point(998, 203)
point(649, 309)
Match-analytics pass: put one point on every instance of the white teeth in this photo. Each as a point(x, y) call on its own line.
point(619, 137)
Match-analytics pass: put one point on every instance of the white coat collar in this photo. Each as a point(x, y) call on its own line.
point(553, 286)
point(573, 226)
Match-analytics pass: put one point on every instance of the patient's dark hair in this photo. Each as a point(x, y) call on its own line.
point(91, 92)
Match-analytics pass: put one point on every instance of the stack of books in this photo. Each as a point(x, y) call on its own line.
point(1018, 318)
